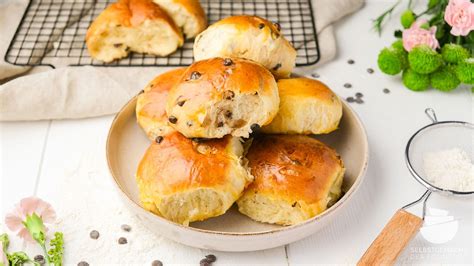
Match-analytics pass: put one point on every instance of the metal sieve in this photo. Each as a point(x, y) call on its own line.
point(439, 135)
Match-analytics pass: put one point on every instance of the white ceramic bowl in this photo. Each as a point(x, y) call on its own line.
point(232, 231)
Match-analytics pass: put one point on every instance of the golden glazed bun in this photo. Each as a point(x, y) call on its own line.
point(187, 15)
point(248, 37)
point(307, 106)
point(217, 97)
point(296, 178)
point(150, 110)
point(132, 25)
point(184, 180)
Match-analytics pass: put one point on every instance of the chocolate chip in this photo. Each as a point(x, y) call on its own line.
point(275, 35)
point(228, 62)
point(347, 85)
point(278, 26)
point(181, 103)
point(261, 26)
point(142, 91)
point(228, 114)
point(195, 75)
point(117, 45)
point(157, 263)
point(370, 70)
point(359, 100)
point(83, 263)
point(294, 204)
point(205, 262)
point(228, 95)
point(127, 49)
point(158, 140)
point(386, 91)
point(189, 123)
point(358, 95)
point(211, 258)
point(350, 61)
point(220, 124)
point(122, 241)
point(315, 75)
point(350, 99)
point(275, 68)
point(172, 119)
point(94, 234)
point(254, 127)
point(39, 259)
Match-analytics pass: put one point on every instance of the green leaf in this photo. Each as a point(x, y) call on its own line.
point(18, 258)
point(36, 228)
point(56, 251)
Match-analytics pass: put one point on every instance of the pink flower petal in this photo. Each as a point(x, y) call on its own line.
point(24, 234)
point(13, 222)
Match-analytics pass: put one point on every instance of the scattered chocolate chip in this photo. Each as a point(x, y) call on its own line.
point(261, 26)
point(350, 99)
point(189, 123)
point(254, 127)
point(181, 103)
point(228, 62)
point(358, 95)
point(39, 259)
point(350, 61)
point(157, 263)
point(94, 234)
point(195, 75)
point(228, 114)
point(228, 95)
point(117, 45)
point(256, 93)
point(386, 91)
point(172, 119)
point(142, 91)
point(211, 258)
point(315, 75)
point(275, 68)
point(275, 35)
point(294, 204)
point(278, 26)
point(205, 262)
point(359, 100)
point(122, 241)
point(83, 263)
point(347, 85)
point(220, 124)
point(370, 70)
point(158, 140)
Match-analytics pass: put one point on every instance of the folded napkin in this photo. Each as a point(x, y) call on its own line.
point(78, 92)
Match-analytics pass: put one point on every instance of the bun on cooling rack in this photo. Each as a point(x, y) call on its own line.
point(296, 178)
point(249, 37)
point(187, 14)
point(151, 104)
point(184, 180)
point(132, 25)
point(307, 106)
point(218, 96)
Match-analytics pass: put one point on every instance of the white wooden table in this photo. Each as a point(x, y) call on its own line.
point(42, 158)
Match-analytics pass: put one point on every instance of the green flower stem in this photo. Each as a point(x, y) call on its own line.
point(46, 255)
point(458, 40)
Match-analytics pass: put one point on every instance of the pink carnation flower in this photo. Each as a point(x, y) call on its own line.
point(27, 206)
point(415, 36)
point(459, 15)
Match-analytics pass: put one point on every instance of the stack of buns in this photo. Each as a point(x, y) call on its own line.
point(144, 26)
point(232, 128)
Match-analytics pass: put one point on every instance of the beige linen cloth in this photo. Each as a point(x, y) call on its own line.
point(79, 92)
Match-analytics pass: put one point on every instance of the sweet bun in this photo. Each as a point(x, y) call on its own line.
point(187, 14)
point(218, 96)
point(307, 106)
point(249, 37)
point(296, 178)
point(132, 25)
point(184, 180)
point(150, 109)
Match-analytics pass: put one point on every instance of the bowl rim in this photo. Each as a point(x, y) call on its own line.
point(338, 205)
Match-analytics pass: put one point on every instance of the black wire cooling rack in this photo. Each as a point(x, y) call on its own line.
point(52, 32)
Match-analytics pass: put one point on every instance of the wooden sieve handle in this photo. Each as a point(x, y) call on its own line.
point(392, 240)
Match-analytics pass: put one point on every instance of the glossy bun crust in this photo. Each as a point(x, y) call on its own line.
point(151, 104)
point(132, 25)
point(187, 15)
point(248, 37)
point(184, 180)
point(217, 97)
point(296, 178)
point(307, 106)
